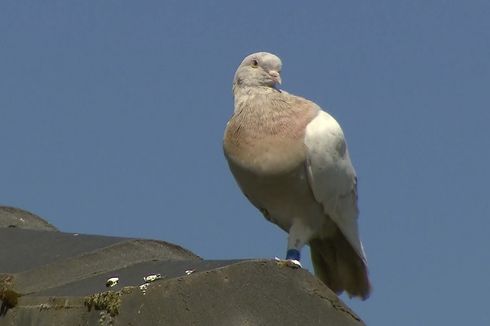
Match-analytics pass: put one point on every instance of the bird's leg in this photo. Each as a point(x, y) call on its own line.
point(299, 235)
point(293, 254)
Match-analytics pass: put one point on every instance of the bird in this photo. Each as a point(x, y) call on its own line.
point(291, 161)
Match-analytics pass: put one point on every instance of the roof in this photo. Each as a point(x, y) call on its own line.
point(48, 277)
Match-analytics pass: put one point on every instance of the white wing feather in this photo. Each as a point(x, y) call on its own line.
point(332, 177)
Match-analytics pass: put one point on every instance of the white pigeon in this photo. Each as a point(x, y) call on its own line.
point(291, 161)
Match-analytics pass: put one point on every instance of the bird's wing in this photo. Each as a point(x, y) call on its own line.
point(332, 177)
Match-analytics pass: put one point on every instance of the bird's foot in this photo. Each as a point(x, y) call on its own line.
point(291, 263)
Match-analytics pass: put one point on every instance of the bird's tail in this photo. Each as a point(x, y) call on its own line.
point(338, 265)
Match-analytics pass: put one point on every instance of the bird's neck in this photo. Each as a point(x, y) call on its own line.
point(245, 95)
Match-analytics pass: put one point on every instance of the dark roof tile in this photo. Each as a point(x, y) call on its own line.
point(56, 278)
point(11, 217)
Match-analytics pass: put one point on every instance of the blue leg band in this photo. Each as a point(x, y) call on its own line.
point(293, 254)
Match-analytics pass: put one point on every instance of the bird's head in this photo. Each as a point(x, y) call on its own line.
point(259, 69)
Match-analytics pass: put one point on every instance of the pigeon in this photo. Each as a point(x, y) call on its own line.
point(290, 159)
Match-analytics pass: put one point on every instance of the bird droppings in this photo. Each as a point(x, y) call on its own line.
point(148, 279)
point(144, 287)
point(112, 282)
point(152, 278)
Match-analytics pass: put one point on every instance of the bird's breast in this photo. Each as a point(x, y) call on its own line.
point(264, 154)
point(268, 141)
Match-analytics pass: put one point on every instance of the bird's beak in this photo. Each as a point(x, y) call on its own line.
point(276, 76)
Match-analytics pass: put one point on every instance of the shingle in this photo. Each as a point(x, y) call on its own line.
point(11, 217)
point(57, 278)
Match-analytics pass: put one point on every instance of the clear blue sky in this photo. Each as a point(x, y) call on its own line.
point(112, 115)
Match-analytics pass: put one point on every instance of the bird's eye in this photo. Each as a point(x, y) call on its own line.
point(255, 63)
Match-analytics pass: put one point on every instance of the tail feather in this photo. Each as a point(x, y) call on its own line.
point(338, 266)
